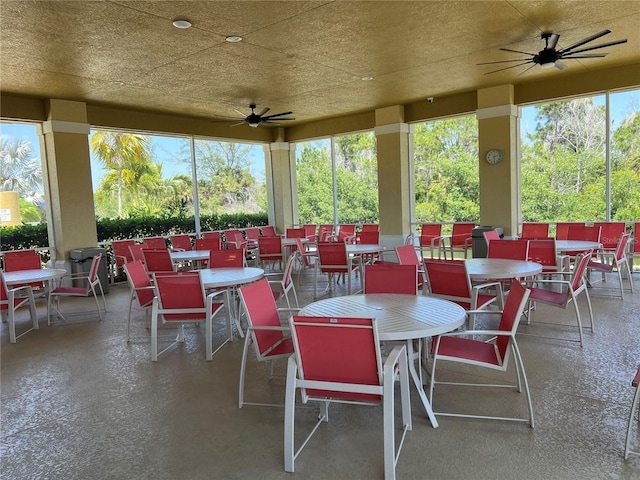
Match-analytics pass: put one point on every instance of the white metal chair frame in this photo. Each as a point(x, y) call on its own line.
point(285, 284)
point(634, 407)
point(158, 311)
point(612, 260)
point(394, 368)
point(92, 278)
point(501, 364)
point(353, 263)
point(16, 298)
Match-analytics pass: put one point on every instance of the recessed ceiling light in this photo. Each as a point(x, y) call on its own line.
point(119, 83)
point(366, 78)
point(233, 38)
point(181, 23)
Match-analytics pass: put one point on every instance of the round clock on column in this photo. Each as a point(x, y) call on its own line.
point(493, 156)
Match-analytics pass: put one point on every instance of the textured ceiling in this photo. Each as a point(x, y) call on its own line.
point(307, 57)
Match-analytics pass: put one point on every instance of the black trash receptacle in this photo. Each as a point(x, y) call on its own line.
point(81, 259)
point(478, 243)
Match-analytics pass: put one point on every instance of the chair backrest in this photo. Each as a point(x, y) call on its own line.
point(157, 260)
point(407, 255)
point(154, 243)
point(636, 237)
point(226, 258)
point(579, 268)
point(610, 233)
point(287, 275)
point(139, 282)
point(562, 229)
point(511, 249)
point(369, 238)
point(261, 310)
point(211, 243)
point(121, 251)
point(301, 249)
point(534, 230)
point(216, 235)
point(448, 278)
point(4, 293)
point(231, 236)
point(310, 231)
point(268, 231)
point(15, 260)
point(621, 247)
point(271, 246)
point(511, 314)
point(461, 233)
point(429, 232)
point(543, 251)
point(324, 231)
point(341, 350)
point(235, 241)
point(370, 227)
point(181, 242)
point(136, 252)
point(490, 235)
point(584, 232)
point(332, 256)
point(386, 278)
point(295, 233)
point(252, 233)
point(346, 230)
point(181, 292)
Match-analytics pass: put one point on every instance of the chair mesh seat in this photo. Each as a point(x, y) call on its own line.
point(469, 349)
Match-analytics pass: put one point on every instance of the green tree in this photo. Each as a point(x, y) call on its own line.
point(123, 153)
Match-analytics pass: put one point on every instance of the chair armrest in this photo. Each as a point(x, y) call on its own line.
point(277, 329)
point(27, 288)
point(287, 309)
point(550, 282)
point(215, 293)
point(483, 311)
point(489, 333)
point(394, 356)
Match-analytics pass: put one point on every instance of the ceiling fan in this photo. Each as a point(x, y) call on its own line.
point(549, 57)
point(254, 119)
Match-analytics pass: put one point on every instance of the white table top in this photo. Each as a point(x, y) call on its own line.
point(399, 317)
point(500, 268)
point(576, 245)
point(227, 277)
point(189, 255)
point(363, 248)
point(32, 276)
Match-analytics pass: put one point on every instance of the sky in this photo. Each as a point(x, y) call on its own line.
point(167, 149)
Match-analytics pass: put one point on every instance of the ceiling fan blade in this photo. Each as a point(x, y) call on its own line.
point(586, 40)
point(588, 55)
point(264, 110)
point(505, 61)
point(276, 115)
point(269, 122)
point(243, 115)
point(553, 41)
point(516, 51)
point(526, 70)
point(559, 65)
point(237, 124)
point(279, 119)
point(511, 66)
point(602, 45)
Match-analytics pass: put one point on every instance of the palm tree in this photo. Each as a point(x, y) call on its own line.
point(116, 150)
point(20, 171)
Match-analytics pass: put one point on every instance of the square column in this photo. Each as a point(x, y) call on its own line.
point(68, 177)
point(498, 129)
point(281, 177)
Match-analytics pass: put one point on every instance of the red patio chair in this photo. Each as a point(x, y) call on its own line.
point(333, 259)
point(265, 331)
point(535, 230)
point(310, 232)
point(216, 234)
point(158, 260)
point(181, 242)
point(460, 239)
point(268, 231)
point(92, 281)
point(295, 233)
point(571, 285)
point(338, 360)
point(430, 238)
point(387, 278)
point(407, 256)
point(510, 249)
point(226, 259)
point(140, 287)
point(325, 233)
point(136, 252)
point(346, 230)
point(562, 229)
point(252, 234)
point(269, 250)
point(283, 286)
point(492, 351)
point(583, 232)
point(610, 233)
point(448, 279)
point(180, 298)
point(211, 243)
point(121, 252)
point(154, 243)
point(613, 260)
point(543, 251)
point(370, 227)
point(13, 298)
point(16, 260)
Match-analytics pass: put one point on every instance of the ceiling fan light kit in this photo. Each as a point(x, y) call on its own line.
point(549, 57)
